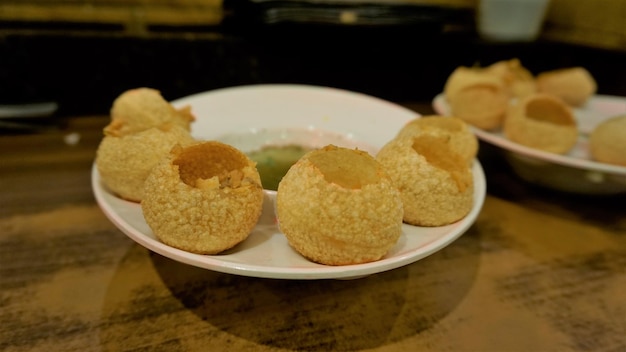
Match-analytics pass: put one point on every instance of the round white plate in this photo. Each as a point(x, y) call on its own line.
point(575, 171)
point(284, 112)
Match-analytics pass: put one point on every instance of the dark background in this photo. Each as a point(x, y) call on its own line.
point(85, 70)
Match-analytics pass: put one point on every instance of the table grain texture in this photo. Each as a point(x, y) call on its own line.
point(538, 271)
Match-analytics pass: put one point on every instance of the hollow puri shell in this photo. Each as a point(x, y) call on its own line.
point(607, 142)
point(518, 80)
point(574, 84)
point(337, 206)
point(463, 77)
point(124, 162)
point(455, 132)
point(435, 183)
point(477, 96)
point(543, 122)
point(138, 109)
point(481, 105)
point(203, 198)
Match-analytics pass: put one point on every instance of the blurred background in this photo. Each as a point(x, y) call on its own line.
point(81, 54)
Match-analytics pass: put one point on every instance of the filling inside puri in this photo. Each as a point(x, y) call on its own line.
point(347, 168)
point(211, 165)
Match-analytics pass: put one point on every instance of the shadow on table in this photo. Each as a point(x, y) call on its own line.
point(328, 314)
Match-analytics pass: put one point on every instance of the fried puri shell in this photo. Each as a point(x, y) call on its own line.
point(607, 142)
point(481, 105)
point(435, 183)
point(574, 85)
point(138, 109)
point(455, 131)
point(519, 81)
point(337, 206)
point(543, 122)
point(203, 198)
point(463, 77)
point(124, 162)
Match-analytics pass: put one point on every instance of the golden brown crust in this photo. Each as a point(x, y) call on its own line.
point(542, 121)
point(124, 162)
point(607, 142)
point(203, 198)
point(574, 85)
point(480, 105)
point(518, 80)
point(138, 109)
point(463, 77)
point(337, 206)
point(435, 183)
point(455, 131)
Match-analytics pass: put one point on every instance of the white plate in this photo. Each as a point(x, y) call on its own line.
point(573, 172)
point(342, 117)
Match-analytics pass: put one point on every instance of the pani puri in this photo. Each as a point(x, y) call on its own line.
point(203, 198)
point(542, 121)
point(463, 77)
point(435, 183)
point(124, 162)
point(337, 206)
point(480, 105)
point(142, 108)
point(574, 85)
point(455, 131)
point(519, 81)
point(607, 142)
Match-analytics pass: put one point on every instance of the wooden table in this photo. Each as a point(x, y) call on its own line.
point(538, 271)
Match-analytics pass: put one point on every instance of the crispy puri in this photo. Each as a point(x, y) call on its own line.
point(138, 109)
point(337, 206)
point(124, 162)
point(480, 105)
point(574, 85)
point(519, 81)
point(607, 142)
point(463, 77)
point(542, 121)
point(203, 198)
point(435, 183)
point(456, 132)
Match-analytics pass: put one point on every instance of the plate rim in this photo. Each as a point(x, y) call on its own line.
point(212, 262)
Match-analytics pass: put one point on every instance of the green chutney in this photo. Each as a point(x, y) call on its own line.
point(273, 162)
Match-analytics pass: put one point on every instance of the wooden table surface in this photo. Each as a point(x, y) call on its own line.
point(538, 271)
